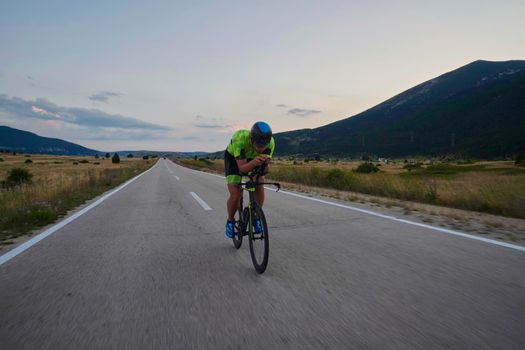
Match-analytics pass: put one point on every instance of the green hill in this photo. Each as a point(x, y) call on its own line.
point(22, 141)
point(477, 110)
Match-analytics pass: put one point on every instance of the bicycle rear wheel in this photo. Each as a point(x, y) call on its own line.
point(259, 242)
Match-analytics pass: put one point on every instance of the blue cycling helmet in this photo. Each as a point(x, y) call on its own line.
point(261, 134)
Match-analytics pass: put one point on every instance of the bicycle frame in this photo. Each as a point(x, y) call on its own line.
point(250, 187)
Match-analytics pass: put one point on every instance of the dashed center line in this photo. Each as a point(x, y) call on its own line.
point(200, 201)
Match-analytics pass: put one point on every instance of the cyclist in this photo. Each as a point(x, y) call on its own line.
point(248, 150)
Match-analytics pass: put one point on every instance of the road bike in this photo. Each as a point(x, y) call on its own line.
point(244, 224)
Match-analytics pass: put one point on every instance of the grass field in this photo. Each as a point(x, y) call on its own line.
point(58, 184)
point(492, 187)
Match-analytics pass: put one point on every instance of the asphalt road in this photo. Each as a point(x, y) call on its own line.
point(150, 268)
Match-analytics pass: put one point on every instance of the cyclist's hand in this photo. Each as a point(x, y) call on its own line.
point(258, 161)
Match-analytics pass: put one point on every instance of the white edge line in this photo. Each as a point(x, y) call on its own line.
point(200, 201)
point(388, 217)
point(452, 232)
point(26, 245)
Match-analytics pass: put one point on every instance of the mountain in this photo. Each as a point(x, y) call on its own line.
point(141, 153)
point(477, 110)
point(21, 141)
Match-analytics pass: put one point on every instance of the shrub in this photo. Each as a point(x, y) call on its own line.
point(96, 156)
point(115, 159)
point(129, 156)
point(205, 161)
point(145, 157)
point(28, 161)
point(96, 163)
point(27, 155)
point(366, 168)
point(412, 166)
point(108, 155)
point(1, 159)
point(75, 163)
point(339, 179)
point(520, 160)
point(18, 176)
point(84, 161)
point(41, 214)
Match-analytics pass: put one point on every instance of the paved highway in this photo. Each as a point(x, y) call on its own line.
point(149, 267)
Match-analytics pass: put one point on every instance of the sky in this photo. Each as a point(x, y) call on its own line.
point(184, 75)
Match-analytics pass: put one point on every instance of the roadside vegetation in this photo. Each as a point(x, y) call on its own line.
point(35, 194)
point(496, 187)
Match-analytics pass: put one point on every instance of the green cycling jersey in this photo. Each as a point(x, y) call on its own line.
point(240, 146)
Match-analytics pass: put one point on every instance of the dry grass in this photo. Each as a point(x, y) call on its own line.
point(59, 184)
point(490, 187)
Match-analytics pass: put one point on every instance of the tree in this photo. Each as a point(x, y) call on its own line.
point(108, 155)
point(115, 159)
point(129, 155)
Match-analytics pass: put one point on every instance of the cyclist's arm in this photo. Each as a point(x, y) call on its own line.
point(246, 167)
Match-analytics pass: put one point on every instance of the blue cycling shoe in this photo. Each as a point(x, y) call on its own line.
point(230, 224)
point(257, 227)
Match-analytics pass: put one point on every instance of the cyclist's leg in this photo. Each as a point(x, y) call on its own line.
point(233, 201)
point(231, 171)
point(259, 192)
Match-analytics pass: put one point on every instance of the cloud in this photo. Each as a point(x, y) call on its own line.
point(43, 109)
point(300, 112)
point(104, 96)
point(189, 138)
point(211, 123)
point(212, 126)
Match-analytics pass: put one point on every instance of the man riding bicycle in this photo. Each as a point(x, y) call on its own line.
point(248, 150)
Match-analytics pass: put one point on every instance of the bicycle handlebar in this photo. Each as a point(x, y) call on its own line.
point(258, 173)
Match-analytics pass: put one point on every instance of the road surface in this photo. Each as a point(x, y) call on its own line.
point(150, 268)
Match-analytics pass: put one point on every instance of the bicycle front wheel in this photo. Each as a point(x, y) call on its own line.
point(238, 230)
point(259, 242)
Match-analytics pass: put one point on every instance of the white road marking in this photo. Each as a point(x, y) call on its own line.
point(393, 218)
point(171, 172)
point(21, 248)
point(200, 201)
